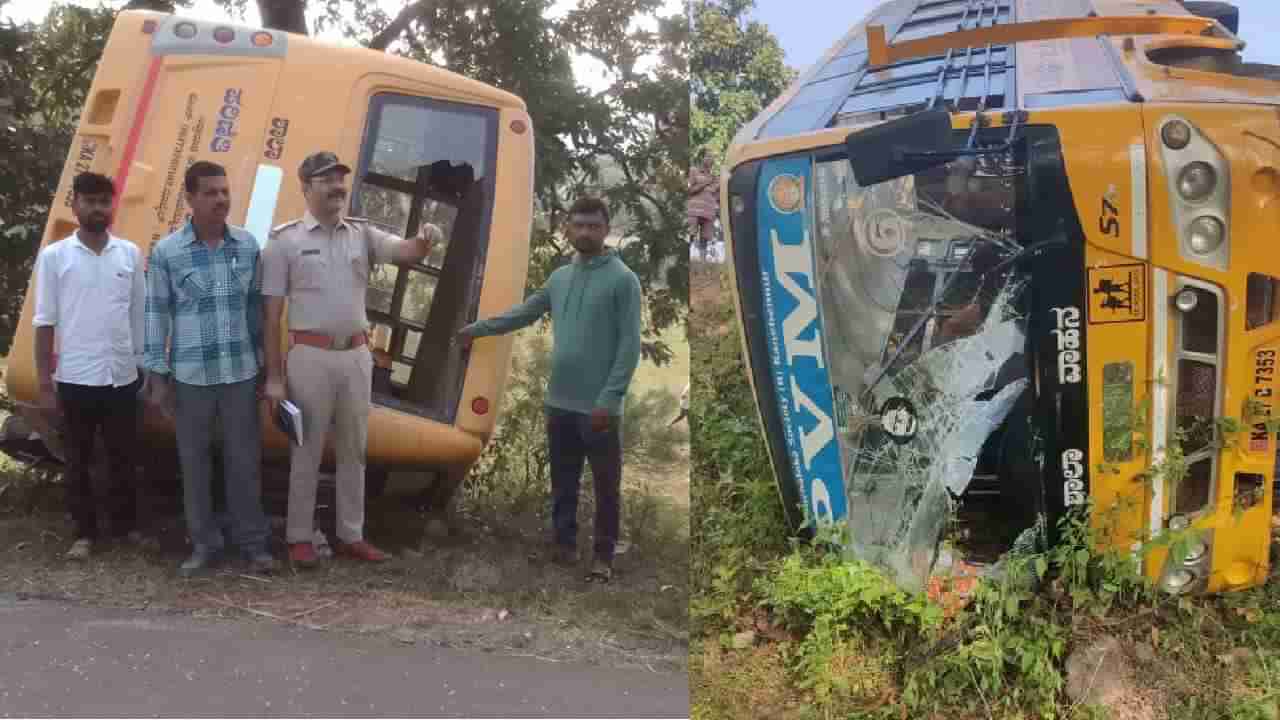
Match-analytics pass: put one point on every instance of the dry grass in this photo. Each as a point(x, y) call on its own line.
point(490, 589)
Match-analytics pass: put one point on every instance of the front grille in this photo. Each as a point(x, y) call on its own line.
point(1197, 397)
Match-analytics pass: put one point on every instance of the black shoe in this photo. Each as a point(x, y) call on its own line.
point(199, 561)
point(261, 562)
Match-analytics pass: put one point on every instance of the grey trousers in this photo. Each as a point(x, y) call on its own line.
point(229, 413)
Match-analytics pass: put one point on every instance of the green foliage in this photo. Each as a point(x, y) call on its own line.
point(639, 125)
point(737, 69)
point(513, 472)
point(1006, 650)
point(739, 522)
point(45, 70)
point(807, 588)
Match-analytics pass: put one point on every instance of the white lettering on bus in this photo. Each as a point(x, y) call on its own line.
point(792, 260)
point(797, 260)
point(1073, 473)
point(814, 441)
point(1068, 334)
point(821, 502)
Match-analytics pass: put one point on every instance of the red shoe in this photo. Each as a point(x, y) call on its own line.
point(361, 550)
point(302, 554)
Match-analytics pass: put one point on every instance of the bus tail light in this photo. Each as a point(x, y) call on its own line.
point(224, 35)
point(261, 39)
point(480, 406)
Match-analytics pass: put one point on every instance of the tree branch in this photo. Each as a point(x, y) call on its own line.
point(401, 23)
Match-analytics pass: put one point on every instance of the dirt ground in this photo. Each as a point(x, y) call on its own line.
point(490, 588)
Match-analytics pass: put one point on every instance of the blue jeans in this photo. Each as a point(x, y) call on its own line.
point(570, 443)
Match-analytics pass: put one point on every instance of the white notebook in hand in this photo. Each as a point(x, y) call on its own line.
point(289, 420)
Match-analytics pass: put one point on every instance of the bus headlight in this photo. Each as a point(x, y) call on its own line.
point(1198, 177)
point(1195, 552)
point(1178, 580)
point(1176, 134)
point(1186, 300)
point(1196, 181)
point(1205, 234)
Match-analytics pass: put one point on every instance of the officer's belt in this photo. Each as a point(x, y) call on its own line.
point(327, 342)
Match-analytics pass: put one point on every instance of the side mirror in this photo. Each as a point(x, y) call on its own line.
point(899, 147)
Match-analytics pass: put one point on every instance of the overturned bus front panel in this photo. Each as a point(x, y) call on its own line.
point(918, 342)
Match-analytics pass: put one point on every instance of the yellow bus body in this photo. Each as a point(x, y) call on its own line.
point(1119, 180)
point(149, 114)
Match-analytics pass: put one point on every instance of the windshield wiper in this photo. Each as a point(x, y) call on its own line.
point(1015, 119)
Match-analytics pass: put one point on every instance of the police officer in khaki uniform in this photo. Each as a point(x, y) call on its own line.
point(321, 263)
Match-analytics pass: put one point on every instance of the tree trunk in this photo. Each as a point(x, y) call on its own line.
point(286, 15)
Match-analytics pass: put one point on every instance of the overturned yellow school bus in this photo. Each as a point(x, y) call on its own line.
point(426, 145)
point(998, 259)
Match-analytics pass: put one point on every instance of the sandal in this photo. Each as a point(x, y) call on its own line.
point(600, 573)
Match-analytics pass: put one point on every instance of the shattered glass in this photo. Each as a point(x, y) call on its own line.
point(926, 340)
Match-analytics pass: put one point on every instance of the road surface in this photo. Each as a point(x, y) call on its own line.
point(63, 660)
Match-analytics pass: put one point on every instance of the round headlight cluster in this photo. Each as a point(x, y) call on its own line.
point(1195, 552)
point(1178, 580)
point(1205, 234)
point(1197, 181)
point(1176, 134)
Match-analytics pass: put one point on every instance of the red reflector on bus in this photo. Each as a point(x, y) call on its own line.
point(480, 406)
point(517, 127)
point(148, 27)
point(224, 35)
point(262, 39)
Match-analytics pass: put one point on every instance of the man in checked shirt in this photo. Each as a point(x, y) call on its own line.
point(204, 300)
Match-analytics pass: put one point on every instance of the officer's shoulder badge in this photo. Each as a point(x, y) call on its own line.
point(283, 226)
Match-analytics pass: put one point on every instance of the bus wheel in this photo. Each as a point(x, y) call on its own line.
point(438, 502)
point(1223, 12)
point(375, 482)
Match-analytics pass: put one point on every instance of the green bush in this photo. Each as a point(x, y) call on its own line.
point(514, 473)
point(737, 525)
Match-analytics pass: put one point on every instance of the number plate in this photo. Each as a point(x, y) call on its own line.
point(1263, 395)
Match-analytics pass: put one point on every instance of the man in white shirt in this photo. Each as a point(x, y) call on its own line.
point(90, 293)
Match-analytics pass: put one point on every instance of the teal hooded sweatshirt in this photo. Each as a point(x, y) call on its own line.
point(595, 319)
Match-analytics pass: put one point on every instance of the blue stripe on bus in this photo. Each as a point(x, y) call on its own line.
point(793, 325)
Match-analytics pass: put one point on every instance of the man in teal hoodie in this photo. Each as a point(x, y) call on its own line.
point(595, 315)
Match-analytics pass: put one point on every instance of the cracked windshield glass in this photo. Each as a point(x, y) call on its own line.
point(925, 344)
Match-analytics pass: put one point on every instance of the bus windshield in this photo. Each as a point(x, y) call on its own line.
point(925, 341)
